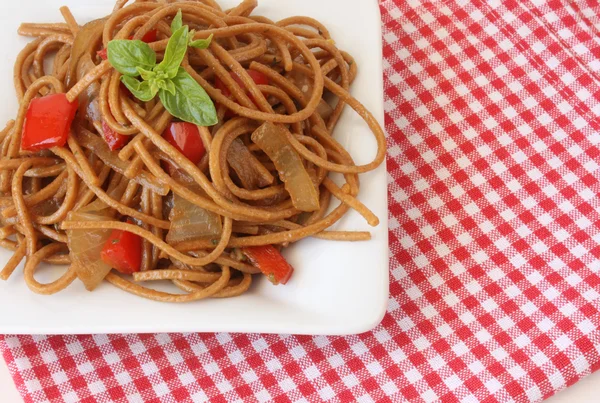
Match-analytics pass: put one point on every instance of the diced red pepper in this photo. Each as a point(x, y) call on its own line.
point(270, 262)
point(150, 37)
point(48, 122)
point(123, 251)
point(114, 140)
point(103, 54)
point(186, 138)
point(258, 77)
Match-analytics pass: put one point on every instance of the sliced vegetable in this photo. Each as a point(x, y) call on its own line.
point(150, 36)
point(88, 99)
point(103, 54)
point(101, 149)
point(47, 207)
point(298, 183)
point(98, 207)
point(123, 251)
point(302, 81)
point(305, 84)
point(247, 167)
point(85, 42)
point(114, 140)
point(186, 138)
point(85, 246)
point(258, 77)
point(48, 122)
point(324, 109)
point(270, 262)
point(189, 221)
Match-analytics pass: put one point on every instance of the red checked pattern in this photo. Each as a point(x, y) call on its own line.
point(492, 109)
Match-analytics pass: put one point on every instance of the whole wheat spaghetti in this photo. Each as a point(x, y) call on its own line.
point(186, 143)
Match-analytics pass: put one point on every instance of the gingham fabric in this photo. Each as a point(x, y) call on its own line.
point(492, 110)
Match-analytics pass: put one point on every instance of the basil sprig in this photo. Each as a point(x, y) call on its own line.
point(181, 95)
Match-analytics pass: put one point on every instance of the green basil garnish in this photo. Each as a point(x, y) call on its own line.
point(189, 102)
point(181, 95)
point(142, 90)
point(127, 55)
point(201, 43)
point(177, 22)
point(175, 52)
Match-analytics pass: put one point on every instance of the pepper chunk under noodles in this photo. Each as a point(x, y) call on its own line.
point(256, 102)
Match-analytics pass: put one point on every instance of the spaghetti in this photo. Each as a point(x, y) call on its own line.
point(131, 186)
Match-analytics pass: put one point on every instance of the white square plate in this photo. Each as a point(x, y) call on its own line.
point(337, 287)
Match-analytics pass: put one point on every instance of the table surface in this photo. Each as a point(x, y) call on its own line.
point(585, 391)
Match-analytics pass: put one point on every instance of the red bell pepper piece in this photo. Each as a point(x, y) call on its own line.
point(48, 122)
point(186, 138)
point(103, 54)
point(258, 77)
point(150, 37)
point(270, 262)
point(123, 251)
point(114, 140)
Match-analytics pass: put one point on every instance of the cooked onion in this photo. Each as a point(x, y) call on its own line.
point(85, 246)
point(272, 140)
point(99, 147)
point(189, 221)
point(88, 100)
point(84, 43)
point(245, 164)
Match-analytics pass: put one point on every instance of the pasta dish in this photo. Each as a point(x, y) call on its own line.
point(177, 141)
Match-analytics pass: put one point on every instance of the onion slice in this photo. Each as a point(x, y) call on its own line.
point(85, 245)
point(247, 167)
point(189, 221)
point(86, 41)
point(305, 85)
point(88, 99)
point(298, 183)
point(99, 147)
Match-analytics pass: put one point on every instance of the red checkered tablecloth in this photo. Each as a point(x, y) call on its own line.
point(492, 109)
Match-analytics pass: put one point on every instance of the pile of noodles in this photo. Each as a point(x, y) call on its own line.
point(42, 191)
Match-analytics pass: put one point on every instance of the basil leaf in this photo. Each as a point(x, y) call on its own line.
point(175, 52)
point(142, 90)
point(146, 74)
point(166, 85)
point(126, 56)
point(190, 102)
point(177, 22)
point(201, 43)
